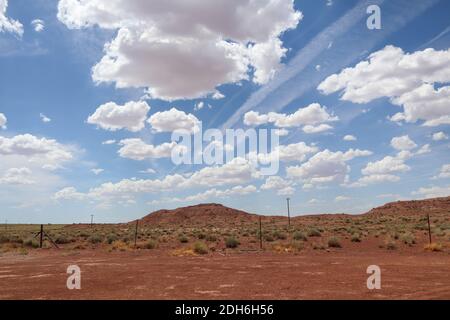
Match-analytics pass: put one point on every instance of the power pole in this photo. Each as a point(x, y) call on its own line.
point(92, 220)
point(289, 213)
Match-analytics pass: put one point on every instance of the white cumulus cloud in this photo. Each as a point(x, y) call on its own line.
point(8, 24)
point(439, 136)
point(137, 149)
point(408, 79)
point(312, 118)
point(170, 46)
point(111, 116)
point(173, 120)
point(403, 143)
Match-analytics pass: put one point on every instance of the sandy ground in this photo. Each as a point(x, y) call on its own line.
point(158, 275)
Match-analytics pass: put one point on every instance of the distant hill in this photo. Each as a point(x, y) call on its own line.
point(217, 215)
point(203, 214)
point(413, 207)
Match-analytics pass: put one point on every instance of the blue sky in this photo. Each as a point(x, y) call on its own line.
point(73, 77)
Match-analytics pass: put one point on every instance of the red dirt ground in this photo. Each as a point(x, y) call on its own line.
point(157, 275)
point(408, 272)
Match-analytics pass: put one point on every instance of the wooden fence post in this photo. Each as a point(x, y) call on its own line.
point(260, 234)
point(41, 236)
point(135, 233)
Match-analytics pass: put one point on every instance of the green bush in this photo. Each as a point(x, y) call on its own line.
point(318, 246)
point(334, 242)
point(111, 238)
point(279, 235)
point(298, 235)
point(200, 248)
point(183, 239)
point(62, 240)
point(4, 239)
point(408, 239)
point(356, 238)
point(314, 232)
point(391, 245)
point(151, 244)
point(231, 242)
point(30, 242)
point(201, 236)
point(95, 238)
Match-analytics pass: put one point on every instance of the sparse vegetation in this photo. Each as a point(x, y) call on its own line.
point(231, 242)
point(334, 242)
point(200, 248)
point(298, 235)
point(433, 247)
point(390, 244)
point(355, 238)
point(150, 244)
point(314, 232)
point(95, 238)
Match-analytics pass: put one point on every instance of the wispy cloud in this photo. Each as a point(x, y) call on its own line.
point(349, 44)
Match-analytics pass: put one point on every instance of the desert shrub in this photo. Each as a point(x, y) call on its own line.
point(200, 248)
point(110, 238)
point(298, 235)
point(268, 238)
point(95, 238)
point(433, 247)
point(62, 240)
point(334, 242)
point(408, 239)
point(30, 242)
point(391, 244)
point(84, 234)
point(211, 238)
point(201, 236)
point(183, 239)
point(4, 239)
point(15, 239)
point(318, 246)
point(355, 238)
point(120, 245)
point(314, 232)
point(279, 235)
point(150, 244)
point(231, 242)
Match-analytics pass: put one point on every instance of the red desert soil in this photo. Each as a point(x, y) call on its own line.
point(408, 272)
point(154, 275)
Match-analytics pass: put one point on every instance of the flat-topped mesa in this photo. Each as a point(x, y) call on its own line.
point(413, 207)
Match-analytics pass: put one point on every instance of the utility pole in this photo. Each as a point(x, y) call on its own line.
point(289, 213)
point(92, 220)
